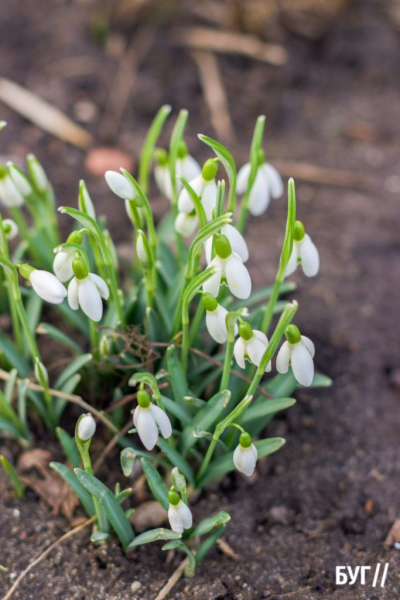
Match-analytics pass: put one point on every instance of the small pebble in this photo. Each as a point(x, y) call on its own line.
point(136, 585)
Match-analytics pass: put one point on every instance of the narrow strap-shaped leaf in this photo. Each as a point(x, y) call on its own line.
point(13, 475)
point(177, 460)
point(146, 153)
point(69, 447)
point(208, 544)
point(179, 411)
point(12, 356)
point(69, 476)
point(74, 367)
point(265, 408)
point(179, 545)
point(204, 419)
point(177, 376)
point(154, 535)
point(207, 525)
point(110, 504)
point(10, 385)
point(155, 482)
point(229, 164)
point(59, 336)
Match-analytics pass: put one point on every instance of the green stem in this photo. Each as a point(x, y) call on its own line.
point(87, 465)
point(269, 311)
point(196, 322)
point(227, 365)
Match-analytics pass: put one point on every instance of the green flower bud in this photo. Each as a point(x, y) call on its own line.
point(75, 237)
point(222, 246)
point(209, 169)
point(299, 231)
point(41, 374)
point(79, 268)
point(26, 271)
point(292, 334)
point(182, 150)
point(178, 480)
point(260, 157)
point(37, 173)
point(209, 302)
point(161, 156)
point(245, 440)
point(245, 330)
point(143, 250)
point(143, 399)
point(173, 498)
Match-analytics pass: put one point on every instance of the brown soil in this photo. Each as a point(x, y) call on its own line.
point(331, 495)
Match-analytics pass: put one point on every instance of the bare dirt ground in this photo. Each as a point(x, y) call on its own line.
point(330, 496)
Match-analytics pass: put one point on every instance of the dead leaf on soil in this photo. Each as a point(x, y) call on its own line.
point(394, 534)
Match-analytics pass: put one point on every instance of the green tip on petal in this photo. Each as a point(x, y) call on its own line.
point(299, 231)
point(210, 169)
point(143, 399)
point(209, 302)
point(245, 440)
point(245, 330)
point(292, 334)
point(26, 271)
point(173, 497)
point(79, 268)
point(222, 246)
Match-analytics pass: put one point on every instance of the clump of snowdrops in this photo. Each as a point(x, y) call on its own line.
point(181, 324)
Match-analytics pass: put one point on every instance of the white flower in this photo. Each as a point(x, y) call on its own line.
point(304, 252)
point(120, 185)
point(37, 173)
point(186, 224)
point(252, 345)
point(186, 167)
point(9, 193)
point(216, 323)
point(267, 184)
point(47, 286)
point(236, 241)
point(20, 180)
point(207, 192)
point(62, 265)
point(87, 294)
point(180, 516)
point(148, 418)
point(245, 456)
point(234, 272)
point(300, 356)
point(10, 229)
point(86, 427)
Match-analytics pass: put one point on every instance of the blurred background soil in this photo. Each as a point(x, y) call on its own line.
point(331, 98)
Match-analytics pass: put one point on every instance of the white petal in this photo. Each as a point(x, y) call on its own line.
point(185, 514)
point(302, 364)
point(213, 284)
point(292, 262)
point(308, 344)
point(73, 294)
point(86, 428)
point(309, 257)
point(136, 415)
point(260, 337)
point(120, 185)
point(162, 420)
point(147, 428)
point(237, 458)
point(275, 182)
point(283, 358)
point(209, 199)
point(101, 285)
point(259, 196)
point(89, 299)
point(163, 180)
point(255, 350)
point(208, 249)
point(185, 203)
point(47, 286)
point(236, 241)
point(10, 195)
point(62, 265)
point(190, 168)
point(175, 519)
point(248, 462)
point(243, 178)
point(239, 351)
point(215, 328)
point(237, 277)
point(186, 224)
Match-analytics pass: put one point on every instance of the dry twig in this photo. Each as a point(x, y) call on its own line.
point(172, 581)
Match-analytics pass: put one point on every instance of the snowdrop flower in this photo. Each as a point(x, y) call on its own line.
point(250, 345)
point(9, 193)
point(304, 252)
point(267, 184)
point(236, 241)
point(62, 264)
point(148, 418)
point(143, 250)
point(37, 173)
point(229, 268)
point(298, 351)
point(45, 284)
point(10, 229)
point(86, 427)
point(205, 187)
point(86, 291)
point(215, 319)
point(186, 224)
point(186, 166)
point(245, 455)
point(120, 185)
point(179, 514)
point(20, 180)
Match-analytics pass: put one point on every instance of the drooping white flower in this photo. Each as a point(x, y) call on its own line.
point(10, 229)
point(229, 268)
point(62, 265)
point(148, 418)
point(298, 352)
point(245, 455)
point(304, 252)
point(251, 345)
point(143, 250)
point(45, 284)
point(9, 193)
point(19, 179)
point(267, 184)
point(236, 240)
point(120, 185)
point(86, 427)
point(186, 166)
point(186, 224)
point(205, 187)
point(179, 514)
point(215, 319)
point(86, 291)
point(37, 173)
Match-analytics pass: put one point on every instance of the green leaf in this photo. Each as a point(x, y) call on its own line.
point(8, 413)
point(229, 165)
point(74, 367)
point(10, 385)
point(98, 537)
point(265, 408)
point(13, 357)
point(177, 376)
point(59, 336)
point(112, 508)
point(13, 475)
point(204, 419)
point(320, 381)
point(146, 153)
point(154, 535)
point(224, 464)
point(176, 459)
point(208, 544)
point(155, 482)
point(69, 476)
point(124, 495)
point(207, 525)
point(179, 545)
point(34, 310)
point(69, 447)
point(259, 296)
point(67, 388)
point(181, 412)
point(128, 457)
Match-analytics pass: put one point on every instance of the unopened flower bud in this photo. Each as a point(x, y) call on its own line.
point(86, 427)
point(37, 173)
point(143, 250)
